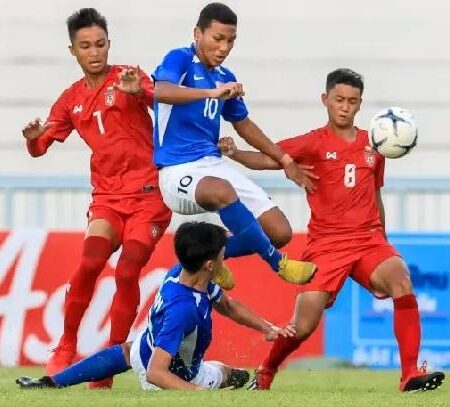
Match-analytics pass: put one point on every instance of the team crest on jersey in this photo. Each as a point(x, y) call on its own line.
point(369, 156)
point(154, 231)
point(110, 96)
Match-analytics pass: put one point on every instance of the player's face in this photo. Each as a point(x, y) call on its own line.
point(90, 46)
point(215, 43)
point(342, 102)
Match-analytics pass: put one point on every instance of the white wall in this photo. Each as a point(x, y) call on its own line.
point(283, 52)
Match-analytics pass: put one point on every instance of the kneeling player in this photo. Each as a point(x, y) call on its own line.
point(168, 354)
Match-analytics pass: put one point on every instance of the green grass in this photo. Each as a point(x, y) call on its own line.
point(337, 387)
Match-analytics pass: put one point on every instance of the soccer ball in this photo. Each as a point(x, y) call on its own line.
point(393, 132)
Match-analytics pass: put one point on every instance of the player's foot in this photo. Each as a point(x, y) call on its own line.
point(26, 382)
point(224, 278)
point(62, 357)
point(295, 271)
point(262, 380)
point(104, 384)
point(237, 378)
point(421, 380)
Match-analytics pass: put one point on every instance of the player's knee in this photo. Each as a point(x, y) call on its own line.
point(304, 329)
point(401, 287)
point(216, 194)
point(135, 253)
point(282, 236)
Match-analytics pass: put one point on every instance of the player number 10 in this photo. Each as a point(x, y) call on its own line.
point(350, 175)
point(211, 106)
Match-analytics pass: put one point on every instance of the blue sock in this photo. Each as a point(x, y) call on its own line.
point(248, 236)
point(235, 248)
point(100, 365)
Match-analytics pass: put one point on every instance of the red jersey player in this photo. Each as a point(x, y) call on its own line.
point(108, 108)
point(346, 235)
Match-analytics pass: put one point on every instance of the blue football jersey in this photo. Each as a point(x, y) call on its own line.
point(180, 323)
point(187, 132)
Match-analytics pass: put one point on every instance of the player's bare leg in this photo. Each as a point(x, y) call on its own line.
point(97, 247)
point(248, 236)
point(309, 308)
point(276, 227)
point(391, 277)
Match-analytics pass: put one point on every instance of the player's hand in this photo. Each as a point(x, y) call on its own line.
point(302, 175)
point(130, 79)
point(227, 91)
point(227, 146)
point(272, 332)
point(35, 129)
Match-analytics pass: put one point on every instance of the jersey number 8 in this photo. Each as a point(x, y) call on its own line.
point(350, 175)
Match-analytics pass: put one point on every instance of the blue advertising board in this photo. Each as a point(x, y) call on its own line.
point(359, 328)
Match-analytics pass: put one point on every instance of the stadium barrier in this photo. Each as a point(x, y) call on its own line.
point(365, 324)
point(36, 264)
point(60, 202)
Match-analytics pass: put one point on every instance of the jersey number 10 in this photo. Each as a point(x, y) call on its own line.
point(211, 107)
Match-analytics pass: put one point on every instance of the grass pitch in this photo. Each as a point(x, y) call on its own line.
point(337, 387)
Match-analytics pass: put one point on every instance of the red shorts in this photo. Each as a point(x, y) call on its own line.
point(141, 217)
point(338, 259)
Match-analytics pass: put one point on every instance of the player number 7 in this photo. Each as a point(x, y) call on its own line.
point(98, 116)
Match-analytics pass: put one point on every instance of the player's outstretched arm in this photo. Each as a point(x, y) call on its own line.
point(172, 94)
point(253, 135)
point(243, 315)
point(158, 373)
point(250, 159)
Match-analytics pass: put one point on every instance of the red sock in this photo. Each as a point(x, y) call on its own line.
point(126, 299)
point(96, 252)
point(407, 331)
point(281, 349)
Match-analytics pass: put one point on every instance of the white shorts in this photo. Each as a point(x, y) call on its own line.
point(179, 182)
point(209, 376)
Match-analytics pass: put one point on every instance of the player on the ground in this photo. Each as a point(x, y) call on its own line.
point(169, 353)
point(192, 91)
point(346, 236)
point(109, 109)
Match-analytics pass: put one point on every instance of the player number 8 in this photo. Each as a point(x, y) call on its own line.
point(350, 175)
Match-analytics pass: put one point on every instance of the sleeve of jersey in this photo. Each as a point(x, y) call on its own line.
point(234, 110)
point(214, 292)
point(379, 172)
point(61, 127)
point(173, 67)
point(298, 147)
point(148, 91)
point(176, 324)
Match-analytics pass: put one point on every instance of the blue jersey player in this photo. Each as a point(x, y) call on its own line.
point(169, 353)
point(192, 91)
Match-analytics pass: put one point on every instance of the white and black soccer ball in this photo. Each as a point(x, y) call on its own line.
point(393, 132)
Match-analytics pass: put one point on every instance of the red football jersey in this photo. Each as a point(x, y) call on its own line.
point(117, 128)
point(345, 202)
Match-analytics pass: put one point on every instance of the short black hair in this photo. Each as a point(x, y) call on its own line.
point(345, 76)
point(198, 242)
point(218, 12)
point(85, 17)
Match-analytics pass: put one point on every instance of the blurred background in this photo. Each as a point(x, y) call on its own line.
point(282, 54)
